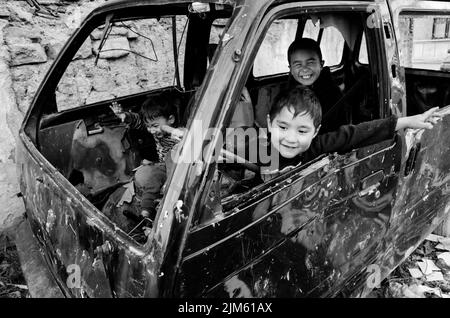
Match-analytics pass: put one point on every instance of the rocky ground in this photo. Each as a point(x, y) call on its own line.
point(425, 274)
point(12, 282)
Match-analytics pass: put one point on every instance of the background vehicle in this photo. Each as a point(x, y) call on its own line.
point(322, 229)
point(446, 64)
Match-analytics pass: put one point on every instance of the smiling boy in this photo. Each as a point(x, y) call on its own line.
point(307, 69)
point(158, 117)
point(295, 119)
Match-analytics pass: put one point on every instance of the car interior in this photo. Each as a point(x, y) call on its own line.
point(98, 153)
point(427, 80)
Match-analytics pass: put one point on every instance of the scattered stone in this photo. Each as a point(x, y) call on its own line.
point(3, 23)
point(427, 266)
point(445, 257)
point(73, 92)
point(52, 49)
point(398, 290)
point(103, 83)
point(444, 244)
point(49, 1)
point(22, 73)
point(435, 276)
point(18, 14)
point(27, 54)
point(131, 35)
point(85, 50)
point(443, 266)
point(434, 238)
point(113, 48)
point(11, 205)
point(4, 13)
point(21, 35)
point(445, 287)
point(99, 96)
point(415, 272)
point(116, 31)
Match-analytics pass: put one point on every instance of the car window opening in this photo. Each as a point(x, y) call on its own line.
point(100, 148)
point(343, 50)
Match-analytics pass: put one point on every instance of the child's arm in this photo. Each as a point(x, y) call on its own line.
point(176, 133)
point(134, 120)
point(349, 137)
point(425, 120)
point(118, 111)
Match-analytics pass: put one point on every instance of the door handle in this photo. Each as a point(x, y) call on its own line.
point(371, 183)
point(411, 161)
point(373, 179)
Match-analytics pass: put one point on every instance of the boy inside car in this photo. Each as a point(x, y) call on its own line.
point(295, 120)
point(307, 69)
point(158, 117)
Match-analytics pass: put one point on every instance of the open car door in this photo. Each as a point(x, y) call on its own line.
point(308, 232)
point(423, 200)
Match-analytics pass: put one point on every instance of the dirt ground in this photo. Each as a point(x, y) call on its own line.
point(430, 258)
point(12, 282)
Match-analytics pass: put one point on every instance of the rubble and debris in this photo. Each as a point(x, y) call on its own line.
point(435, 276)
point(415, 272)
point(427, 266)
point(12, 282)
point(424, 274)
point(445, 257)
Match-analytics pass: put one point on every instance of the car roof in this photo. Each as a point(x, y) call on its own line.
point(122, 3)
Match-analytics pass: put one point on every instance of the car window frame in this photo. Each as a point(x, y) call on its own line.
point(421, 12)
point(274, 13)
point(301, 23)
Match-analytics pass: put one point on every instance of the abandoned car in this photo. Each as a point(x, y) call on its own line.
point(333, 227)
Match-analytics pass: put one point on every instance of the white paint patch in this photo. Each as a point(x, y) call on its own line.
point(237, 288)
point(51, 218)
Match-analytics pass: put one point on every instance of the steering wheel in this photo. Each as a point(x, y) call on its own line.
point(232, 158)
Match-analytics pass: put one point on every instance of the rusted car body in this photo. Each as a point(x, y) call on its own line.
point(332, 227)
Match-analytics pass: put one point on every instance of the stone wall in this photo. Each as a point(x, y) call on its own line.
point(118, 72)
point(30, 39)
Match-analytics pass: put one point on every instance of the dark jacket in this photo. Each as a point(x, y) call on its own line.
point(344, 139)
point(329, 94)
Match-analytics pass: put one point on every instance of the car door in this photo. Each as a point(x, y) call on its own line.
point(90, 255)
point(423, 198)
point(311, 231)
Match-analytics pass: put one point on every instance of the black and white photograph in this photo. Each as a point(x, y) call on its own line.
point(224, 154)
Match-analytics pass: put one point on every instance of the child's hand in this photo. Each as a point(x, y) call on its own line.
point(425, 120)
point(174, 132)
point(118, 111)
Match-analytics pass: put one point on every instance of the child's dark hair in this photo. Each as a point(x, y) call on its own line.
point(158, 106)
point(304, 44)
point(301, 100)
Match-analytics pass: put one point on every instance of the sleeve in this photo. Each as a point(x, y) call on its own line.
point(134, 120)
point(349, 137)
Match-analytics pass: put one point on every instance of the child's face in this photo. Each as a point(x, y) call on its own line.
point(154, 125)
point(291, 135)
point(305, 66)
